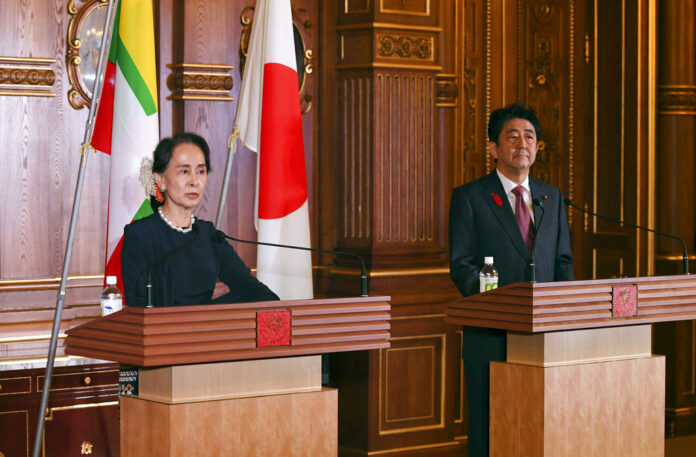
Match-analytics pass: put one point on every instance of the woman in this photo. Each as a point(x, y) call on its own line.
point(187, 275)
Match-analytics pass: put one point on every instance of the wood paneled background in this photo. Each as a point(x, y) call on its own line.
point(396, 110)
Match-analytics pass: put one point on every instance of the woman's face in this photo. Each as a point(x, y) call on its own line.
point(185, 177)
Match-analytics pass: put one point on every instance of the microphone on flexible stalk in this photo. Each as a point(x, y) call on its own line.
point(685, 256)
point(532, 264)
point(194, 228)
point(363, 274)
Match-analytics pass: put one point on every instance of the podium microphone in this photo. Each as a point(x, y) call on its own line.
point(164, 256)
point(363, 274)
point(685, 257)
point(532, 264)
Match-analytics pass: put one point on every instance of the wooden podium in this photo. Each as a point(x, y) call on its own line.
point(232, 379)
point(580, 377)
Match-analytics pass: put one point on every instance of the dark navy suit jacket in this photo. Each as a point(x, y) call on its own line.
point(482, 223)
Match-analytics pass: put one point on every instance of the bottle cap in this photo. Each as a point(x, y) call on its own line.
point(488, 260)
point(111, 280)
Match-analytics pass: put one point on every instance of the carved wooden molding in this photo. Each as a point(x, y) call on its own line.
point(405, 47)
point(405, 7)
point(446, 90)
point(356, 6)
point(27, 76)
point(193, 81)
point(677, 99)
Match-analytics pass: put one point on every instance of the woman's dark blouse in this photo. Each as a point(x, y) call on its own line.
point(188, 276)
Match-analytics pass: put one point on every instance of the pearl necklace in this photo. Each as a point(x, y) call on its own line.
point(175, 227)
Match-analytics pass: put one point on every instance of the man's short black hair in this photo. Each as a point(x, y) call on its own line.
point(515, 111)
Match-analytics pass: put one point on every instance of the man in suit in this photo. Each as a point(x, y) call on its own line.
point(495, 216)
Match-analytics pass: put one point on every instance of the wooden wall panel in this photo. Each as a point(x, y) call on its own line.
point(675, 212)
point(41, 143)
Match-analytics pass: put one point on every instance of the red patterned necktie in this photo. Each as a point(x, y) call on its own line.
point(524, 220)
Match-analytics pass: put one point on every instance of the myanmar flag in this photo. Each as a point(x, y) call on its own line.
point(127, 124)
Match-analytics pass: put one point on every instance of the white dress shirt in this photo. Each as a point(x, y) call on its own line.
point(508, 185)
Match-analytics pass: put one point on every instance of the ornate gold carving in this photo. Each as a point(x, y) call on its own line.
point(27, 76)
point(301, 25)
point(86, 448)
point(405, 47)
point(356, 6)
point(406, 7)
point(469, 120)
point(191, 81)
point(50, 411)
point(396, 66)
point(571, 108)
point(543, 11)
point(86, 22)
point(446, 90)
point(677, 99)
point(488, 88)
point(389, 25)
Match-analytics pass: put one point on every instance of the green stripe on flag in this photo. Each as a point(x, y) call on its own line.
point(113, 49)
point(135, 80)
point(144, 210)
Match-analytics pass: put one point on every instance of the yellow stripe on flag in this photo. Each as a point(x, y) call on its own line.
point(138, 35)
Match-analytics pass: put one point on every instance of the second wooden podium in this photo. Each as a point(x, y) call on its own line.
point(580, 377)
point(233, 379)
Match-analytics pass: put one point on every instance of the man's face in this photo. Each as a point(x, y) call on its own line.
point(516, 149)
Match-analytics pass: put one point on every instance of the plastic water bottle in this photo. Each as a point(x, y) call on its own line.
point(111, 298)
point(488, 277)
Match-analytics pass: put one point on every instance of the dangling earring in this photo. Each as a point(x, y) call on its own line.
point(158, 193)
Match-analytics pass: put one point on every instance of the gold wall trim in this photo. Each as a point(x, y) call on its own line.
point(19, 392)
point(414, 448)
point(347, 10)
point(681, 411)
point(488, 72)
point(675, 257)
point(652, 128)
point(389, 25)
point(446, 90)
point(40, 381)
point(571, 110)
point(21, 339)
point(197, 81)
point(382, 9)
point(27, 60)
point(27, 77)
point(49, 416)
point(395, 66)
point(443, 371)
point(436, 271)
point(676, 99)
point(48, 283)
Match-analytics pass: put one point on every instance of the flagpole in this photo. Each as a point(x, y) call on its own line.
point(60, 299)
point(231, 151)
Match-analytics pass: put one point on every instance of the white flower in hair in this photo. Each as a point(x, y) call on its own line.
point(146, 179)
